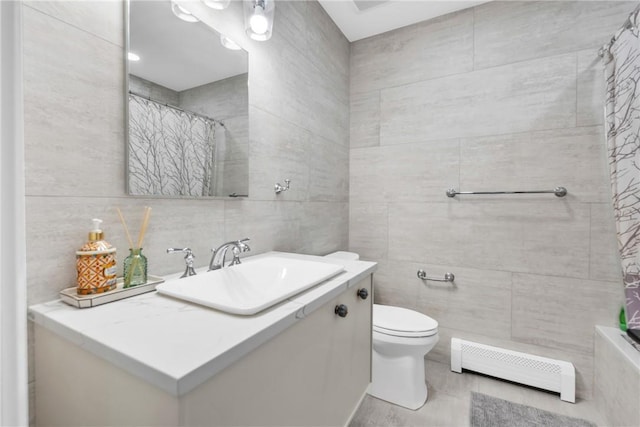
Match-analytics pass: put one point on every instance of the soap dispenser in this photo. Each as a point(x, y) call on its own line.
point(96, 263)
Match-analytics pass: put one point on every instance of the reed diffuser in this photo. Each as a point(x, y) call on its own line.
point(135, 264)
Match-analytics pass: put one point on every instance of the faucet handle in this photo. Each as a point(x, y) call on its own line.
point(242, 244)
point(188, 259)
point(186, 251)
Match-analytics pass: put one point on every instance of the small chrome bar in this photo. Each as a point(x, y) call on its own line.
point(448, 277)
point(558, 191)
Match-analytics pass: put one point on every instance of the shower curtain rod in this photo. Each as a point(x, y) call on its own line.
point(628, 24)
point(148, 98)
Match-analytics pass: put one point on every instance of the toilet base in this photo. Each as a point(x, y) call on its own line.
point(399, 380)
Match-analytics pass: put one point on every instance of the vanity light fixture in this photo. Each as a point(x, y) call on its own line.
point(182, 13)
point(133, 57)
point(258, 18)
point(228, 43)
point(217, 4)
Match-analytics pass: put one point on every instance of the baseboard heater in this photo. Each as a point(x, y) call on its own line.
point(548, 374)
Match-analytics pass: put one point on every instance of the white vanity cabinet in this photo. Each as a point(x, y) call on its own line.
point(314, 372)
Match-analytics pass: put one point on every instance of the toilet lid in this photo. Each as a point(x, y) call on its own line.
point(400, 321)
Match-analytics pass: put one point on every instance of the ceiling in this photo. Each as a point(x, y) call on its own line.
point(358, 19)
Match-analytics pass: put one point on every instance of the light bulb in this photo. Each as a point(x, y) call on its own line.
point(228, 43)
point(258, 18)
point(133, 57)
point(182, 13)
point(258, 22)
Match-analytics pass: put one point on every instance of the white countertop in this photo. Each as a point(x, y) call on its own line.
point(176, 345)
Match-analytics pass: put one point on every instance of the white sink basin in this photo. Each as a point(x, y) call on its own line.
point(251, 286)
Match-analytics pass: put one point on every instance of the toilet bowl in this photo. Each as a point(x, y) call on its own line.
point(401, 339)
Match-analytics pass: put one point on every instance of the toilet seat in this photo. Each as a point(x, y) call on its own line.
point(402, 322)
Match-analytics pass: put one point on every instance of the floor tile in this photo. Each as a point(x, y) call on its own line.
point(449, 401)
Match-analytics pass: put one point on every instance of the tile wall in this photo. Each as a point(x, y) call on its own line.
point(75, 153)
point(504, 96)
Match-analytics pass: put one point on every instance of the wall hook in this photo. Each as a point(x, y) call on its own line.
point(279, 188)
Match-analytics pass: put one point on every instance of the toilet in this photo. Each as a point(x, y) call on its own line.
point(401, 339)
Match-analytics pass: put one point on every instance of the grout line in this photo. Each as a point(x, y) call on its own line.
point(484, 136)
point(388, 231)
point(576, 110)
point(511, 307)
point(75, 26)
point(459, 163)
point(473, 40)
point(590, 241)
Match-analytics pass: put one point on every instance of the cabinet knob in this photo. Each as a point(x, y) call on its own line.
point(363, 293)
point(341, 310)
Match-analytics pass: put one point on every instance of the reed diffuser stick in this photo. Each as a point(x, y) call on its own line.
point(126, 229)
point(145, 223)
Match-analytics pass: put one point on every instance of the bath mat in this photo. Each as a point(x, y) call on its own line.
point(487, 411)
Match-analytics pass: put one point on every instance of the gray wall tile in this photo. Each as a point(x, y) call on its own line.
point(305, 95)
point(73, 110)
point(541, 313)
point(404, 173)
point(392, 290)
point(100, 18)
point(519, 236)
point(278, 150)
point(328, 171)
point(534, 95)
point(270, 225)
point(324, 227)
point(368, 230)
point(537, 29)
point(604, 258)
point(426, 50)
point(477, 300)
point(591, 88)
point(365, 120)
point(572, 158)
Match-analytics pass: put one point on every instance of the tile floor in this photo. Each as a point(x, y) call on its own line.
point(450, 397)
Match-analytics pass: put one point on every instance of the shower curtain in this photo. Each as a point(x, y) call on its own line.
point(171, 151)
point(622, 125)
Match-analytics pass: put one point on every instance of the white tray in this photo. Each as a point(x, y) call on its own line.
point(71, 297)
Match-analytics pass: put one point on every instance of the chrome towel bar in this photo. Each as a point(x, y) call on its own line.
point(558, 191)
point(448, 277)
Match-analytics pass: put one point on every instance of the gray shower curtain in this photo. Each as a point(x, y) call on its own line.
point(622, 71)
point(171, 151)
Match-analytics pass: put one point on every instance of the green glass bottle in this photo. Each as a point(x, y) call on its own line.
point(135, 268)
point(623, 320)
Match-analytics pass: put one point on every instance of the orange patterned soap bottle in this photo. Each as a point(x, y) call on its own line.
point(96, 263)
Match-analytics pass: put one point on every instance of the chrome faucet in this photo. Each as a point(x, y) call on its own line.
point(238, 246)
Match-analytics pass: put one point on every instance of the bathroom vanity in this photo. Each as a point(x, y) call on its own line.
point(154, 360)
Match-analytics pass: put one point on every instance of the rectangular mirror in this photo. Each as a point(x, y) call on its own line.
point(188, 107)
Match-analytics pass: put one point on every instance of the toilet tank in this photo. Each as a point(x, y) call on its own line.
point(347, 256)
